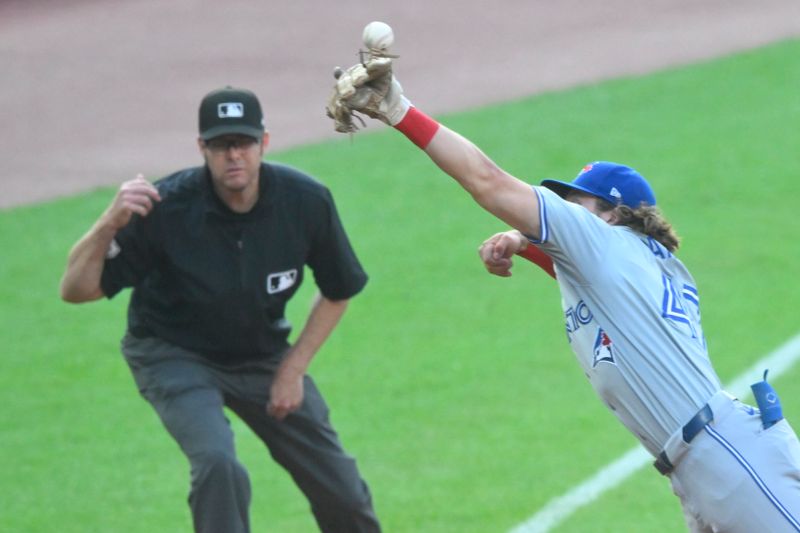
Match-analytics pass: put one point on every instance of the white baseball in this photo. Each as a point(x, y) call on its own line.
point(378, 36)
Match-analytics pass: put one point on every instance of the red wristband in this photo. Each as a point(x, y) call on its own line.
point(536, 256)
point(418, 127)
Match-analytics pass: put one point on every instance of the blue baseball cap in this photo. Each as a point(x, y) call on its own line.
point(615, 183)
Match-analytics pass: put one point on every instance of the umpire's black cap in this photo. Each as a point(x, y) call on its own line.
point(230, 111)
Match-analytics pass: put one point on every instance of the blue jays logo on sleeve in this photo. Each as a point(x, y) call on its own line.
point(280, 281)
point(603, 349)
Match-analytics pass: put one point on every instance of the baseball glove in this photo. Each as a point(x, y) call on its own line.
point(367, 87)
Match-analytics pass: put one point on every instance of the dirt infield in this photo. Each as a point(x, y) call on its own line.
point(97, 91)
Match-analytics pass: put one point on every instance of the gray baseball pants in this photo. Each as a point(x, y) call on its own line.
point(189, 394)
point(736, 476)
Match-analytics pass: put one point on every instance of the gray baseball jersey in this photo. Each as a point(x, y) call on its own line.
point(632, 318)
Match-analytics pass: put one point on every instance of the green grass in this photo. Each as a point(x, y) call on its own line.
point(456, 391)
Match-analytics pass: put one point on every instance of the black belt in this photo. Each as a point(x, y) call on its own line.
point(690, 431)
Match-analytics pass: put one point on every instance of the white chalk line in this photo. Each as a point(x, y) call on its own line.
point(559, 509)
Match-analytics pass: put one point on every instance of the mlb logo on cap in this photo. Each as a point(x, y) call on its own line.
point(614, 183)
point(230, 110)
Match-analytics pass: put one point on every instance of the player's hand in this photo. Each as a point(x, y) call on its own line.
point(496, 251)
point(286, 393)
point(134, 196)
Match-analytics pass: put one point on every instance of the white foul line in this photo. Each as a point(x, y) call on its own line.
point(559, 509)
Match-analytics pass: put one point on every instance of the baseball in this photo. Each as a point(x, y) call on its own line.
point(378, 36)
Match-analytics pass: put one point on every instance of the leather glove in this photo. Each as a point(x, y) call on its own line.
point(370, 88)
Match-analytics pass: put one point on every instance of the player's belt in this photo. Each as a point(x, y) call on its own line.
point(690, 431)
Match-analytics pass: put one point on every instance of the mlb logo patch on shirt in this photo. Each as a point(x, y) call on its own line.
point(280, 281)
point(230, 110)
point(113, 249)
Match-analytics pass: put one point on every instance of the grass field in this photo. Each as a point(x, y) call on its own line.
point(455, 390)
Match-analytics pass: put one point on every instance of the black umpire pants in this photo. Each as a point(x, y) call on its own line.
point(189, 394)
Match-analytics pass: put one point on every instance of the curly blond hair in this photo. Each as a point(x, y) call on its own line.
point(647, 220)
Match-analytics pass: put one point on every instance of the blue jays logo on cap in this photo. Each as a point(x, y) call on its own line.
point(613, 182)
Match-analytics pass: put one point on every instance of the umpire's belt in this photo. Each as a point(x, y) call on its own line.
point(687, 434)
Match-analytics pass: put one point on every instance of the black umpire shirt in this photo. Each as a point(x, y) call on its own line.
point(217, 282)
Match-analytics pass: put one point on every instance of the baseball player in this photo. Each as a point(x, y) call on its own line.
point(213, 254)
point(632, 317)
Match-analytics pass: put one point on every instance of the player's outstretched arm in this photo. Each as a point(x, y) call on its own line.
point(370, 88)
point(508, 198)
point(494, 189)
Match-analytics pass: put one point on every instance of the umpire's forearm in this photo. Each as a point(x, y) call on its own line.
point(323, 318)
point(81, 280)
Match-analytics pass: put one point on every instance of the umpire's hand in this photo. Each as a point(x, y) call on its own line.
point(134, 196)
point(286, 393)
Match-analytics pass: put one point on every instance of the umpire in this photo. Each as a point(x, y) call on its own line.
point(213, 254)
